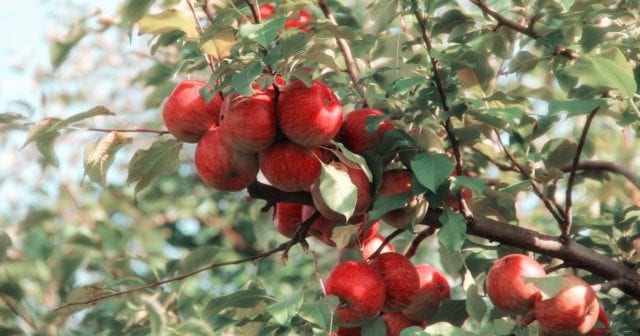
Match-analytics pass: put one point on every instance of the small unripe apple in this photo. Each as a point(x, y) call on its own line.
point(401, 280)
point(573, 310)
point(363, 197)
point(309, 116)
point(287, 217)
point(289, 167)
point(249, 123)
point(360, 290)
point(187, 115)
point(398, 181)
point(353, 132)
point(371, 245)
point(396, 322)
point(507, 289)
point(220, 166)
point(434, 288)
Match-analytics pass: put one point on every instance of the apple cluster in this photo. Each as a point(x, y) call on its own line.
point(573, 310)
point(390, 286)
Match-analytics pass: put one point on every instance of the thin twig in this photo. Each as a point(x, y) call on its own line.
point(495, 162)
point(15, 310)
point(568, 217)
point(346, 52)
point(442, 94)
point(208, 57)
point(612, 167)
point(415, 243)
point(257, 18)
point(207, 12)
point(503, 21)
point(119, 130)
point(386, 241)
point(554, 209)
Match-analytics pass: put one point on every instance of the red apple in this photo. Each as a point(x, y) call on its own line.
point(353, 131)
point(396, 322)
point(371, 245)
point(360, 290)
point(186, 114)
point(266, 11)
point(309, 116)
point(302, 22)
point(322, 227)
point(434, 289)
point(346, 331)
point(287, 217)
point(249, 123)
point(401, 280)
point(398, 181)
point(573, 310)
point(507, 289)
point(289, 167)
point(363, 197)
point(220, 166)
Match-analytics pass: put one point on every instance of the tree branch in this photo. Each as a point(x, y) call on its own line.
point(205, 8)
point(575, 254)
point(16, 311)
point(503, 21)
point(415, 243)
point(553, 208)
point(386, 241)
point(208, 57)
point(568, 216)
point(346, 52)
point(611, 167)
point(122, 130)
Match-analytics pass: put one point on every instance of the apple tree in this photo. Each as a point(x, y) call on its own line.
point(330, 167)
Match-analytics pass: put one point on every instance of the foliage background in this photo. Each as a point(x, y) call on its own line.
point(61, 231)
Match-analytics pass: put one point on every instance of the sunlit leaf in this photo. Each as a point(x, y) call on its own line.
point(337, 190)
point(549, 285)
point(283, 311)
point(263, 33)
point(342, 234)
point(168, 21)
point(219, 45)
point(609, 69)
point(98, 156)
point(78, 299)
point(245, 298)
point(147, 164)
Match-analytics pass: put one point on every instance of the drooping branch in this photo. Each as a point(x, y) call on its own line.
point(568, 216)
point(415, 243)
point(607, 166)
point(503, 21)
point(346, 52)
point(574, 254)
point(384, 243)
point(442, 94)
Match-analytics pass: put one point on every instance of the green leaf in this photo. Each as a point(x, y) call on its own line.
point(342, 234)
point(156, 313)
point(382, 12)
point(453, 231)
point(476, 307)
point(93, 112)
point(375, 327)
point(404, 85)
point(558, 152)
point(264, 32)
point(168, 21)
point(523, 62)
point(576, 107)
point(431, 169)
point(5, 244)
point(133, 11)
point(352, 159)
point(476, 185)
point(198, 258)
point(337, 190)
point(78, 299)
point(283, 311)
point(549, 285)
point(245, 298)
point(383, 204)
point(147, 164)
point(7, 118)
point(219, 45)
point(294, 42)
point(395, 140)
point(317, 312)
point(609, 69)
point(241, 81)
point(60, 49)
point(99, 156)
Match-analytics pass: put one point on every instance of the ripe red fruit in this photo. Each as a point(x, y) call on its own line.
point(301, 22)
point(220, 166)
point(289, 167)
point(371, 245)
point(266, 11)
point(287, 217)
point(309, 116)
point(249, 123)
point(353, 131)
point(434, 288)
point(506, 287)
point(401, 280)
point(363, 197)
point(398, 181)
point(322, 227)
point(186, 114)
point(360, 290)
point(573, 310)
point(397, 322)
